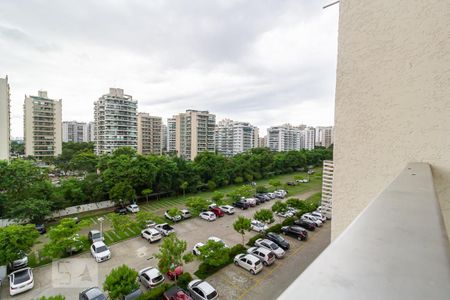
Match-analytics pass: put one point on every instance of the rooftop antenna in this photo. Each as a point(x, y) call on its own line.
point(331, 4)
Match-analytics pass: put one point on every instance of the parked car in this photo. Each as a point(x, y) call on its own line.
point(241, 204)
point(175, 218)
point(100, 251)
point(229, 210)
point(250, 201)
point(175, 273)
point(291, 183)
point(185, 214)
point(95, 236)
point(217, 211)
point(165, 229)
point(271, 195)
point(77, 245)
point(312, 219)
point(216, 239)
point(150, 224)
point(150, 277)
point(196, 249)
point(279, 194)
point(268, 244)
point(121, 210)
point(176, 293)
point(319, 216)
point(249, 262)
point(266, 256)
point(278, 239)
point(134, 208)
point(133, 295)
point(202, 290)
point(212, 205)
point(151, 235)
point(310, 172)
point(261, 198)
point(41, 228)
point(298, 232)
point(286, 214)
point(258, 226)
point(208, 216)
point(305, 224)
point(19, 263)
point(93, 293)
point(20, 281)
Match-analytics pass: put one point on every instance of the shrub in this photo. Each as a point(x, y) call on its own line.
point(184, 279)
point(251, 242)
point(155, 293)
point(205, 270)
point(288, 221)
point(275, 228)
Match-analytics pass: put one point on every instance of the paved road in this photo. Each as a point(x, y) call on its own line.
point(69, 276)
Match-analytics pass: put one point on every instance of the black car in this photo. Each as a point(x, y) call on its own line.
point(305, 224)
point(295, 231)
point(121, 210)
point(291, 183)
point(41, 228)
point(258, 201)
point(241, 204)
point(278, 239)
point(261, 198)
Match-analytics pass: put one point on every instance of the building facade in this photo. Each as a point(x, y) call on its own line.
point(324, 136)
point(164, 138)
point(76, 132)
point(283, 138)
point(5, 123)
point(233, 137)
point(42, 126)
point(307, 138)
point(327, 188)
point(115, 121)
point(171, 135)
point(194, 133)
point(149, 130)
point(91, 129)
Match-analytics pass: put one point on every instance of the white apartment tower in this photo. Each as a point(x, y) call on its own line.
point(307, 138)
point(194, 133)
point(76, 132)
point(283, 138)
point(42, 126)
point(115, 121)
point(164, 138)
point(235, 137)
point(5, 110)
point(149, 130)
point(327, 188)
point(171, 135)
point(324, 136)
point(91, 129)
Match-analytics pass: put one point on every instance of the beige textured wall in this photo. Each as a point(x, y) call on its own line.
point(392, 100)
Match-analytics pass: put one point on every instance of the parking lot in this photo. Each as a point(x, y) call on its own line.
point(81, 271)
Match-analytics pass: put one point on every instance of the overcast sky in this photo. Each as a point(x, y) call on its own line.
point(266, 62)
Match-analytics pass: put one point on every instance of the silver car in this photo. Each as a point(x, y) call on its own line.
point(202, 290)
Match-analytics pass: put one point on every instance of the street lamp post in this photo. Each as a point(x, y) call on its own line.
point(101, 219)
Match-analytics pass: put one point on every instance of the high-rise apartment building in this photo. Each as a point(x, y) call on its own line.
point(5, 129)
point(262, 142)
point(164, 138)
point(283, 138)
point(327, 188)
point(324, 136)
point(194, 133)
point(42, 126)
point(149, 129)
point(115, 121)
point(91, 129)
point(171, 135)
point(307, 138)
point(235, 137)
point(76, 132)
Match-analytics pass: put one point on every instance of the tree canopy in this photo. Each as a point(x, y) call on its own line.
point(120, 282)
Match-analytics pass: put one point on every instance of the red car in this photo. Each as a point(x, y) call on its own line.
point(217, 211)
point(175, 272)
point(175, 293)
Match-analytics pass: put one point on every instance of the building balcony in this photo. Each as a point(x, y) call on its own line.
point(397, 248)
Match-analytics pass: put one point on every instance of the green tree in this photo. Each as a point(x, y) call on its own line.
point(243, 191)
point(218, 197)
point(64, 238)
point(197, 204)
point(184, 186)
point(120, 282)
point(261, 189)
point(171, 254)
point(15, 240)
point(279, 207)
point(174, 211)
point(214, 253)
point(275, 183)
point(241, 225)
point(122, 193)
point(120, 222)
point(211, 185)
point(17, 148)
point(143, 216)
point(31, 209)
point(146, 193)
point(84, 162)
point(264, 215)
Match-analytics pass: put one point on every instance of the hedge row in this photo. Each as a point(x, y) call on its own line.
point(157, 292)
point(205, 270)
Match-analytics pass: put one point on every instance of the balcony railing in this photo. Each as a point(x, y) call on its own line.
point(397, 248)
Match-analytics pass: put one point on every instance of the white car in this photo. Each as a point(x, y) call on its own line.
point(249, 262)
point(20, 281)
point(319, 216)
point(151, 235)
point(100, 251)
point(250, 201)
point(202, 290)
point(216, 239)
point(258, 226)
point(208, 216)
point(271, 195)
point(165, 229)
point(185, 214)
point(212, 205)
point(266, 256)
point(265, 243)
point(150, 224)
point(228, 209)
point(286, 214)
point(196, 250)
point(312, 219)
point(150, 277)
point(175, 218)
point(134, 208)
